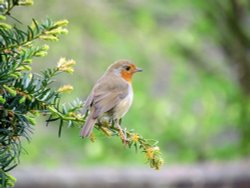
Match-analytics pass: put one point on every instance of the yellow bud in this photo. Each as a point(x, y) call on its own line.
point(49, 37)
point(61, 62)
point(65, 88)
point(5, 26)
point(61, 23)
point(41, 54)
point(27, 61)
point(69, 70)
point(57, 31)
point(64, 31)
point(2, 17)
point(72, 114)
point(78, 116)
point(45, 47)
point(26, 2)
point(64, 63)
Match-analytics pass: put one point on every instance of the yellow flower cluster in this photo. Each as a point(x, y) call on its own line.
point(153, 155)
point(66, 65)
point(150, 152)
point(135, 137)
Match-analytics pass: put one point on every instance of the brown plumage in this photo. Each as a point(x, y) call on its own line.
point(111, 96)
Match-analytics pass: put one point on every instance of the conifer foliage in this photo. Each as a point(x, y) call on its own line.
point(25, 94)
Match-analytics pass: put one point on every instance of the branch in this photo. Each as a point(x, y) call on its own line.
point(148, 146)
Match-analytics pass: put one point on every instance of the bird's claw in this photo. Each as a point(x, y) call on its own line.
point(123, 136)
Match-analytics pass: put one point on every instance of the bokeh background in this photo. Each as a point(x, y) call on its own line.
point(193, 95)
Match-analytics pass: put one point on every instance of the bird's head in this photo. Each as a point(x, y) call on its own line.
point(124, 68)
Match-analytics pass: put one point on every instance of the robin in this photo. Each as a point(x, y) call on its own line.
point(111, 96)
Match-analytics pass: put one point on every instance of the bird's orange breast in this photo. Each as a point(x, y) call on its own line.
point(127, 76)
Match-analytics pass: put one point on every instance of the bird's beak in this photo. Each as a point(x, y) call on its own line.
point(138, 69)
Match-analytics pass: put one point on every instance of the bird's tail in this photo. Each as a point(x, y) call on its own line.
point(88, 126)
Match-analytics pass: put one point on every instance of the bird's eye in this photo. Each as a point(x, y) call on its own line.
point(127, 68)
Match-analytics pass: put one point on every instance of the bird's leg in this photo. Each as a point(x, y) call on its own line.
point(112, 122)
point(121, 133)
point(124, 132)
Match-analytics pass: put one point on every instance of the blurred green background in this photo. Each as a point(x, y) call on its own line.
point(193, 95)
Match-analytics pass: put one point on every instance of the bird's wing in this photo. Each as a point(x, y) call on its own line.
point(87, 103)
point(107, 94)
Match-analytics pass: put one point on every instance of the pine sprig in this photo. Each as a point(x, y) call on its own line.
point(47, 30)
point(23, 95)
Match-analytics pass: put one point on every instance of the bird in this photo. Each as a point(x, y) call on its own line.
point(111, 96)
